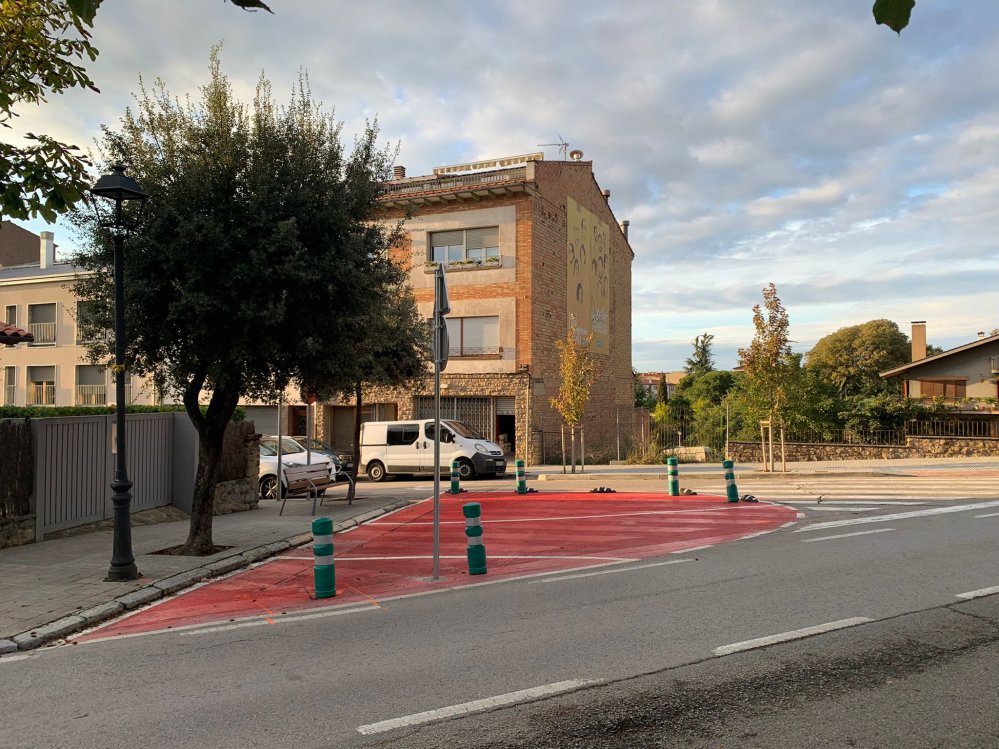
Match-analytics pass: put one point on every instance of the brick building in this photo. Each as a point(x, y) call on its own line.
point(528, 245)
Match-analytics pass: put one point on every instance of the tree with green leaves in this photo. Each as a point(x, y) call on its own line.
point(643, 398)
point(44, 45)
point(662, 392)
point(700, 362)
point(852, 358)
point(578, 373)
point(255, 259)
point(768, 366)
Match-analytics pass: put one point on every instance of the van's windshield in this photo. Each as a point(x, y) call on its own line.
point(464, 430)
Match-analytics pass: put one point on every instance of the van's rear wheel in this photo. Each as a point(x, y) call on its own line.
point(375, 471)
point(466, 470)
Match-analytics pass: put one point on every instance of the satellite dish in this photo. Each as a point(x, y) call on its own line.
point(575, 154)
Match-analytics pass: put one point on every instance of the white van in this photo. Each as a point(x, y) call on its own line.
point(391, 447)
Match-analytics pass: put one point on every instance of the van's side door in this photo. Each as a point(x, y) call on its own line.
point(404, 448)
point(447, 447)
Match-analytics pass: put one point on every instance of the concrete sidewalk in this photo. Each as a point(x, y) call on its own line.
point(56, 587)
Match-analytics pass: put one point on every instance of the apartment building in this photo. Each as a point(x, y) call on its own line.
point(530, 247)
point(36, 295)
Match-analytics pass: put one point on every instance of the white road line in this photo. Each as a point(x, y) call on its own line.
point(796, 634)
point(978, 593)
point(279, 619)
point(847, 502)
point(842, 508)
point(14, 657)
point(846, 535)
point(696, 548)
point(988, 515)
point(898, 516)
point(477, 706)
point(608, 572)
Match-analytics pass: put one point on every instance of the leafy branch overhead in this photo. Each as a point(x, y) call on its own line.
point(893, 13)
point(44, 45)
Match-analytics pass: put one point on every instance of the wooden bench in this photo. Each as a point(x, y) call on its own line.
point(310, 480)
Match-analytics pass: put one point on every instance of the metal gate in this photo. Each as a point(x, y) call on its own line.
point(74, 467)
point(478, 413)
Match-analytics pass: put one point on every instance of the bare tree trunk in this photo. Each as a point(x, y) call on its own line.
point(211, 428)
point(763, 446)
point(572, 448)
point(563, 448)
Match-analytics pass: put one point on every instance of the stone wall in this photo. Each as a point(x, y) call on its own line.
point(915, 447)
point(241, 494)
point(17, 531)
point(236, 496)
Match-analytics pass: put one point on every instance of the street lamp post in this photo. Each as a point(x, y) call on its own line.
point(118, 188)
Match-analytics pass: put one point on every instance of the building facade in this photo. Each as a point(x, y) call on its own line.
point(965, 378)
point(53, 369)
point(530, 248)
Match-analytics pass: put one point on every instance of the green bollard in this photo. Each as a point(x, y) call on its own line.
point(473, 530)
point(322, 550)
point(455, 478)
point(674, 476)
point(521, 478)
point(730, 490)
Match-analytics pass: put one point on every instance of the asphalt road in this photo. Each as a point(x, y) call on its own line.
point(642, 652)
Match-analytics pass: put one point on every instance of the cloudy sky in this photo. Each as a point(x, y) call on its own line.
point(746, 141)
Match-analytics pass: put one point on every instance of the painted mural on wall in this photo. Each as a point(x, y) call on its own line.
point(588, 275)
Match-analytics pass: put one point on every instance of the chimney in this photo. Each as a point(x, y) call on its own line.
point(46, 257)
point(981, 334)
point(624, 228)
point(398, 172)
point(606, 194)
point(918, 340)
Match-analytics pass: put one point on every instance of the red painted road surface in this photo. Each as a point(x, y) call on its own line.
point(524, 535)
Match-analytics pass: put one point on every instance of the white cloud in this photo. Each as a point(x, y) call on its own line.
point(749, 142)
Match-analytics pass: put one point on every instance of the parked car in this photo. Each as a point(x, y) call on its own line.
point(393, 447)
point(342, 459)
point(292, 453)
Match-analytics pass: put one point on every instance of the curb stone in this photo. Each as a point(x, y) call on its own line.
point(99, 613)
point(48, 632)
point(67, 625)
point(139, 597)
point(180, 581)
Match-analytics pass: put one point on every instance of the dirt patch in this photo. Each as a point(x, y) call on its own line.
point(178, 551)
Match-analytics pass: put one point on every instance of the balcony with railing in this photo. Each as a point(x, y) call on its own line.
point(475, 352)
point(91, 395)
point(100, 395)
point(44, 333)
point(41, 393)
point(455, 186)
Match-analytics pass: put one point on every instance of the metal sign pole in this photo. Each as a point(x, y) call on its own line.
point(441, 307)
point(437, 460)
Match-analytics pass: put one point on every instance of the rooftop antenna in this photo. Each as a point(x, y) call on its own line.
point(563, 147)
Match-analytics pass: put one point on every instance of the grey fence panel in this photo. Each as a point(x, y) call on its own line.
point(71, 471)
point(74, 467)
point(149, 441)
